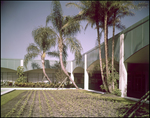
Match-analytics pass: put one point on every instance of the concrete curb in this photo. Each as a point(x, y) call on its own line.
point(43, 88)
point(12, 89)
point(135, 99)
point(9, 90)
point(96, 91)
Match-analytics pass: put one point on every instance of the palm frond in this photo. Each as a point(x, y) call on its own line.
point(74, 4)
point(33, 48)
point(56, 16)
point(44, 37)
point(86, 26)
point(73, 21)
point(75, 47)
point(142, 5)
point(48, 19)
point(28, 57)
point(73, 28)
point(54, 54)
point(120, 26)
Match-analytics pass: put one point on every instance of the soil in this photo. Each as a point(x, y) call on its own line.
point(67, 103)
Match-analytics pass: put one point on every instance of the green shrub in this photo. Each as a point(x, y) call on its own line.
point(20, 73)
point(46, 85)
point(57, 85)
point(37, 84)
point(30, 84)
point(51, 85)
point(4, 83)
point(33, 85)
point(16, 83)
point(21, 79)
point(9, 83)
point(72, 86)
point(42, 85)
point(21, 84)
point(26, 84)
point(117, 92)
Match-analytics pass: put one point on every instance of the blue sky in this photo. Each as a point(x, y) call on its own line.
point(20, 18)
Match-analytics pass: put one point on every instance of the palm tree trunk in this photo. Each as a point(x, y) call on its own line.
point(44, 71)
point(106, 48)
point(62, 65)
point(113, 52)
point(100, 57)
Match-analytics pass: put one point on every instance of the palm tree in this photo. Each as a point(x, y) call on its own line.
point(110, 8)
point(43, 42)
point(64, 36)
point(115, 22)
point(118, 11)
point(98, 13)
point(90, 12)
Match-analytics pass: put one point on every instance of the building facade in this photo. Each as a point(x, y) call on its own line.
point(131, 60)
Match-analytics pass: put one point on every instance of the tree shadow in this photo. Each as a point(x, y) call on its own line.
point(142, 111)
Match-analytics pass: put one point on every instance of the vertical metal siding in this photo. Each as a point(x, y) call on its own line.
point(136, 40)
point(145, 33)
point(136, 37)
point(78, 65)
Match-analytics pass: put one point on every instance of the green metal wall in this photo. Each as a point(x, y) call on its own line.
point(10, 63)
point(136, 37)
point(78, 65)
point(93, 55)
point(37, 64)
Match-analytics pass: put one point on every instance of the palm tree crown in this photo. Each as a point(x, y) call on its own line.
point(43, 42)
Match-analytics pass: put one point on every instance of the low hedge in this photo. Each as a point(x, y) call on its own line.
point(43, 85)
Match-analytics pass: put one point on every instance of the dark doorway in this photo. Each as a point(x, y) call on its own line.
point(138, 80)
point(79, 79)
point(95, 81)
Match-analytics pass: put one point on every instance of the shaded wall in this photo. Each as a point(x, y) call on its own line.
point(8, 74)
point(138, 79)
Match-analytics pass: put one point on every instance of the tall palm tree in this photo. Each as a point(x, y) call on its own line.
point(108, 9)
point(64, 36)
point(91, 12)
point(43, 42)
point(115, 22)
point(98, 13)
point(118, 11)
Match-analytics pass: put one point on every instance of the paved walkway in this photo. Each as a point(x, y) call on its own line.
point(6, 90)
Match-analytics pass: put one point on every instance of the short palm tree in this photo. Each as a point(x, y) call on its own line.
point(64, 36)
point(43, 42)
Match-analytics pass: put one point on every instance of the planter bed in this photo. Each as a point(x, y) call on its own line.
point(66, 103)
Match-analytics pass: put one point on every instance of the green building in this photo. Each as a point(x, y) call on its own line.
point(131, 58)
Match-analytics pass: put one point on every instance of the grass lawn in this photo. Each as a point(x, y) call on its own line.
point(9, 96)
point(65, 103)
